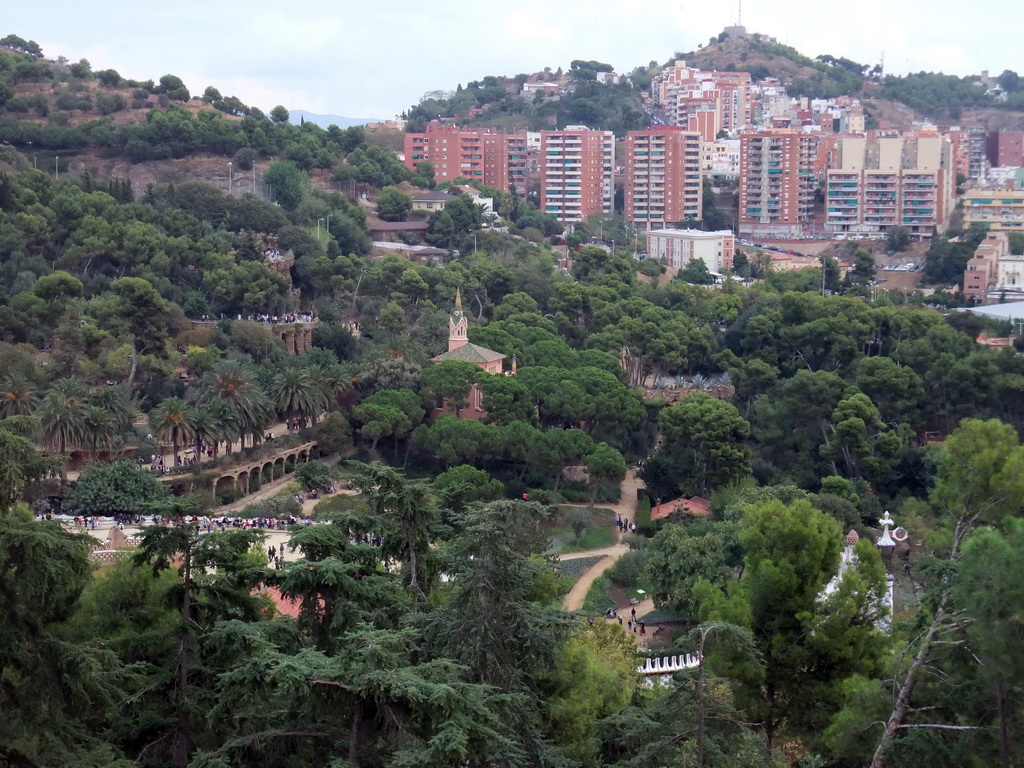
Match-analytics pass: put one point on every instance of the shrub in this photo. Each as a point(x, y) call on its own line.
point(229, 495)
point(579, 521)
point(67, 101)
point(630, 568)
point(108, 103)
point(334, 434)
point(245, 157)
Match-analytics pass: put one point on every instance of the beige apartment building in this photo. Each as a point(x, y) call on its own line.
point(994, 274)
point(678, 247)
point(576, 173)
point(1000, 210)
point(875, 184)
point(777, 183)
point(663, 177)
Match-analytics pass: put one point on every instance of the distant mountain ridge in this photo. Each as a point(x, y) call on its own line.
point(324, 121)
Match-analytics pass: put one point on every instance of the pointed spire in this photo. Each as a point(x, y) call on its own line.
point(458, 301)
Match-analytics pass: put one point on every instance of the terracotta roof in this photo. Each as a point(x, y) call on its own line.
point(284, 605)
point(471, 353)
point(693, 506)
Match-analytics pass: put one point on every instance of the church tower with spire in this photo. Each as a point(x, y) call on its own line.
point(458, 326)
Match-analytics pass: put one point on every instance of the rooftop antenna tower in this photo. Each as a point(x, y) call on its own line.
point(739, 13)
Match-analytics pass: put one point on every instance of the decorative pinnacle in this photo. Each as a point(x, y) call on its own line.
point(885, 540)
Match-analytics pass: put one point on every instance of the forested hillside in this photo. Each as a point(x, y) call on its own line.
point(248, 517)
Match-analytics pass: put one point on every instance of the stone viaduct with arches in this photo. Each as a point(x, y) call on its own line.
point(297, 337)
point(266, 469)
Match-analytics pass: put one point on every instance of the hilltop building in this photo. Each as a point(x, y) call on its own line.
point(707, 102)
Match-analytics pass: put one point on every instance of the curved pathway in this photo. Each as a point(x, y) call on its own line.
point(626, 507)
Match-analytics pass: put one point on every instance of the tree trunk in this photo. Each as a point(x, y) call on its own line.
point(174, 447)
point(63, 461)
point(1004, 726)
point(902, 706)
point(135, 363)
point(353, 738)
point(414, 566)
point(182, 744)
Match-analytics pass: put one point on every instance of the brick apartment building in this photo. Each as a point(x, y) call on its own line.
point(1005, 149)
point(876, 183)
point(707, 102)
point(663, 177)
point(576, 173)
point(777, 183)
point(490, 157)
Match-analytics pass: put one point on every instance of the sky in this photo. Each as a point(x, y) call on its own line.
point(376, 59)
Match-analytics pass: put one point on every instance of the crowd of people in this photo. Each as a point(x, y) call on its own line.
point(287, 317)
point(623, 524)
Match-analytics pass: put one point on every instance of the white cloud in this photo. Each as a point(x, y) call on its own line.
point(375, 59)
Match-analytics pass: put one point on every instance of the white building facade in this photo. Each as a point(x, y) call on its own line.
point(678, 247)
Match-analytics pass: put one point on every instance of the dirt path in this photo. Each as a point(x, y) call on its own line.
point(627, 504)
point(578, 594)
point(626, 508)
point(615, 550)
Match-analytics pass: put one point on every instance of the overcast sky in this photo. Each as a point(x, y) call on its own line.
point(375, 59)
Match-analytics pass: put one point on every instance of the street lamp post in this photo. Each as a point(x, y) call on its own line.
point(231, 179)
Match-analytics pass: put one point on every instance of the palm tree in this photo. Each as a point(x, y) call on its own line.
point(119, 403)
point(62, 416)
point(213, 423)
point(333, 380)
point(231, 383)
point(17, 398)
point(296, 394)
point(172, 419)
point(100, 429)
